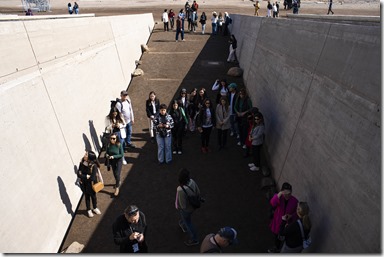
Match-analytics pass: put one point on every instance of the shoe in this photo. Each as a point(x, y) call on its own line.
point(90, 214)
point(254, 168)
point(191, 242)
point(97, 211)
point(238, 143)
point(152, 140)
point(116, 191)
point(179, 152)
point(238, 136)
point(132, 146)
point(183, 228)
point(174, 152)
point(251, 165)
point(170, 162)
point(231, 134)
point(203, 150)
point(244, 147)
point(124, 161)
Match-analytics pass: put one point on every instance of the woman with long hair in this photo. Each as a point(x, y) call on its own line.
point(179, 121)
point(292, 232)
point(205, 123)
point(87, 172)
point(115, 123)
point(257, 138)
point(222, 121)
point(114, 154)
point(152, 106)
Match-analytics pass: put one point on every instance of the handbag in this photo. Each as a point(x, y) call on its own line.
point(105, 140)
point(99, 185)
point(123, 133)
point(306, 242)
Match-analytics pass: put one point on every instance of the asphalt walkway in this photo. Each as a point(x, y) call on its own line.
point(233, 194)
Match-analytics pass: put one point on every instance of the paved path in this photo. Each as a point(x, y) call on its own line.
point(233, 194)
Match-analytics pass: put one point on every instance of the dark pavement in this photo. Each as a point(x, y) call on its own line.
point(233, 194)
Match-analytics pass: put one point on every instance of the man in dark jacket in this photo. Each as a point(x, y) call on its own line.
point(129, 231)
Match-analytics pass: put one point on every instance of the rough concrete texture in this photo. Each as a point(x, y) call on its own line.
point(318, 86)
point(49, 73)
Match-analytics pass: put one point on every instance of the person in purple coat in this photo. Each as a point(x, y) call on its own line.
point(285, 205)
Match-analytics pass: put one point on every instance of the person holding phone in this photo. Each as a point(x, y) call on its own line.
point(285, 205)
point(129, 231)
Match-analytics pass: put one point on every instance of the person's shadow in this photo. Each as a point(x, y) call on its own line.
point(94, 137)
point(64, 196)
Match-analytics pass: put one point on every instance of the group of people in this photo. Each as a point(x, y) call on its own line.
point(271, 9)
point(229, 111)
point(73, 9)
point(290, 224)
point(118, 133)
point(189, 13)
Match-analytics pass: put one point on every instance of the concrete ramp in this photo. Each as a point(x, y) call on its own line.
point(56, 80)
point(318, 85)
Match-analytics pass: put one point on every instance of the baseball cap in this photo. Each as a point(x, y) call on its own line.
point(232, 85)
point(229, 233)
point(124, 92)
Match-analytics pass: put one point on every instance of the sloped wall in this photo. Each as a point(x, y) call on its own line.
point(56, 80)
point(318, 86)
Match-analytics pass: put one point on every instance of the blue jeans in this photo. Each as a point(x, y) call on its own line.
point(214, 28)
point(128, 129)
point(164, 148)
point(186, 218)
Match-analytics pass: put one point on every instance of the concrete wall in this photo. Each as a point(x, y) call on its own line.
point(56, 80)
point(318, 86)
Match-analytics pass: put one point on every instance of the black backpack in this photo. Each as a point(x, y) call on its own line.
point(114, 102)
point(195, 200)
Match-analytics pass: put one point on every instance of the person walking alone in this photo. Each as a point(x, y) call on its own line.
point(187, 186)
point(330, 6)
point(179, 29)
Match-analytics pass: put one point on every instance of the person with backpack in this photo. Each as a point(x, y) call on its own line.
point(124, 105)
point(296, 232)
point(187, 188)
point(214, 243)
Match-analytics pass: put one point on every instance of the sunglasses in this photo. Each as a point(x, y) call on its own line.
point(113, 138)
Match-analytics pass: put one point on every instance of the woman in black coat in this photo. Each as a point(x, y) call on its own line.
point(206, 121)
point(87, 173)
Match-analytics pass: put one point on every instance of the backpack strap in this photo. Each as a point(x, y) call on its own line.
point(301, 229)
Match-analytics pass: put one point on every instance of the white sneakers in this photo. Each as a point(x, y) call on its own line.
point(116, 191)
point(244, 147)
point(96, 210)
point(124, 161)
point(252, 167)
